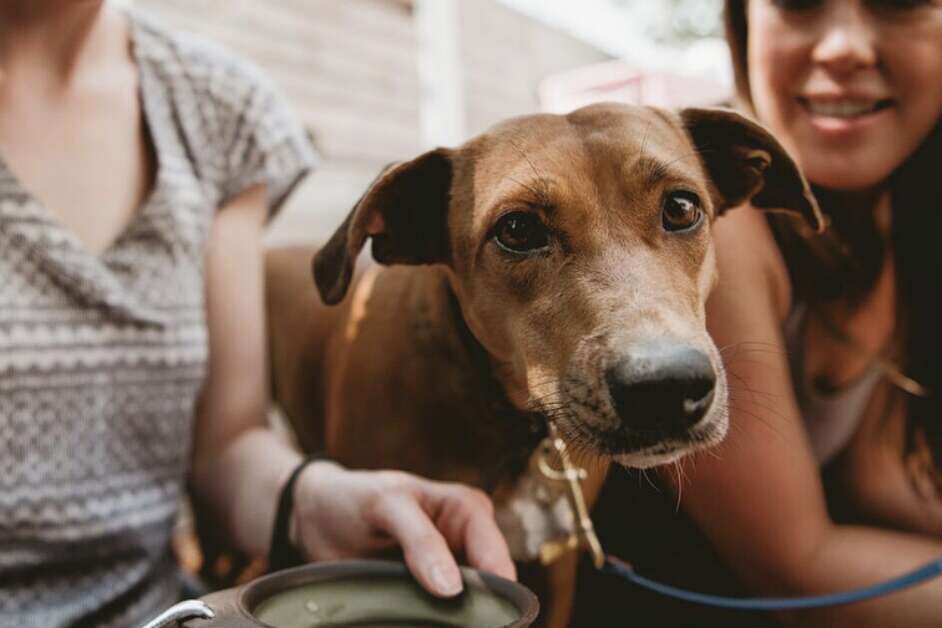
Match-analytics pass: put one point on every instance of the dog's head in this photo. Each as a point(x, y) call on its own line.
point(579, 249)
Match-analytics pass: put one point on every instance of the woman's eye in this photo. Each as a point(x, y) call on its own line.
point(521, 232)
point(898, 5)
point(797, 5)
point(681, 211)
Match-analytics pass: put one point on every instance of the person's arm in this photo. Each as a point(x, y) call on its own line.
point(758, 496)
point(239, 465)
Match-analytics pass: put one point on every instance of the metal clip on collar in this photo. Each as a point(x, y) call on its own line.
point(584, 537)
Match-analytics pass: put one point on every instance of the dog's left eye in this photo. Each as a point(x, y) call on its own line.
point(521, 232)
point(681, 211)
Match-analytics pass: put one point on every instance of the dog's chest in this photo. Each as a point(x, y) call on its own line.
point(533, 512)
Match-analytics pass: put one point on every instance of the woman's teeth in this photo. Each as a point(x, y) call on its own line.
point(842, 109)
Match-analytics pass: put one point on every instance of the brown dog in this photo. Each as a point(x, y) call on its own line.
point(552, 267)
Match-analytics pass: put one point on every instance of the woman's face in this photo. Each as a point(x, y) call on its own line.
point(851, 87)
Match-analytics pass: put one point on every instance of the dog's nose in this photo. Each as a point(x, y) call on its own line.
point(666, 388)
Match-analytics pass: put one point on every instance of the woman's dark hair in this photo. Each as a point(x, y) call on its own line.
point(845, 261)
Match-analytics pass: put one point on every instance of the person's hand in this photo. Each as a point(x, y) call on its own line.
point(341, 513)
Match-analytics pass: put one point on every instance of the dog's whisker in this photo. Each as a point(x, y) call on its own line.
point(755, 397)
point(752, 391)
point(542, 194)
point(643, 158)
point(755, 412)
point(761, 406)
point(735, 352)
point(697, 152)
point(770, 397)
point(579, 444)
point(752, 362)
point(644, 474)
point(715, 454)
point(762, 420)
point(693, 460)
point(681, 480)
point(751, 356)
point(551, 156)
point(744, 343)
point(644, 139)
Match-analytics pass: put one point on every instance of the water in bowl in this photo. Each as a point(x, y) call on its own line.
point(382, 602)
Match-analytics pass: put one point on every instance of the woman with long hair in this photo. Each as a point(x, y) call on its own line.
point(829, 477)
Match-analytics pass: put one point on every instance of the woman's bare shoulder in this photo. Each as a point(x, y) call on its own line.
point(749, 261)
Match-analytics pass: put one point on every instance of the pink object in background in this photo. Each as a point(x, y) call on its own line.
point(620, 82)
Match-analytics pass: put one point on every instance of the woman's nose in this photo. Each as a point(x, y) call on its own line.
point(847, 38)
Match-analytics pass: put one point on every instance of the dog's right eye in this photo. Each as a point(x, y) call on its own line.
point(521, 232)
point(681, 211)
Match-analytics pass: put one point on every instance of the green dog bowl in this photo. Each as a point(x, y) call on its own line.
point(362, 594)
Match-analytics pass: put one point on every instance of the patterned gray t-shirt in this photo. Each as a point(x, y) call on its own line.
point(102, 356)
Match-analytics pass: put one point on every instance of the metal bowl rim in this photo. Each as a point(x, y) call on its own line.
point(255, 592)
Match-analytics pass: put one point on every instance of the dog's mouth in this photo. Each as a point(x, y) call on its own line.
point(642, 449)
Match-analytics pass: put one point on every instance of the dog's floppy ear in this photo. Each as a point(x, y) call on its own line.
point(746, 163)
point(404, 211)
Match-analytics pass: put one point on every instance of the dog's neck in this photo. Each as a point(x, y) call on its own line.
point(508, 433)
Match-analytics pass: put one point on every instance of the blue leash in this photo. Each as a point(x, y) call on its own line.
point(609, 564)
point(620, 568)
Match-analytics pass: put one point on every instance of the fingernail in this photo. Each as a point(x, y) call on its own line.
point(495, 565)
point(447, 581)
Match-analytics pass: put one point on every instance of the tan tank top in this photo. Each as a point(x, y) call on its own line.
point(830, 418)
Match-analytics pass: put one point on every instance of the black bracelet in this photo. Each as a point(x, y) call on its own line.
point(283, 554)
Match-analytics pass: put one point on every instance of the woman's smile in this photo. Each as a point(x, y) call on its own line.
point(850, 87)
point(840, 116)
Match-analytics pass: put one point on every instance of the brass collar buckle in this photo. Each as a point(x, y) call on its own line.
point(584, 536)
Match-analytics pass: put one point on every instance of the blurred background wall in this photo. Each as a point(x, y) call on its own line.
point(377, 81)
